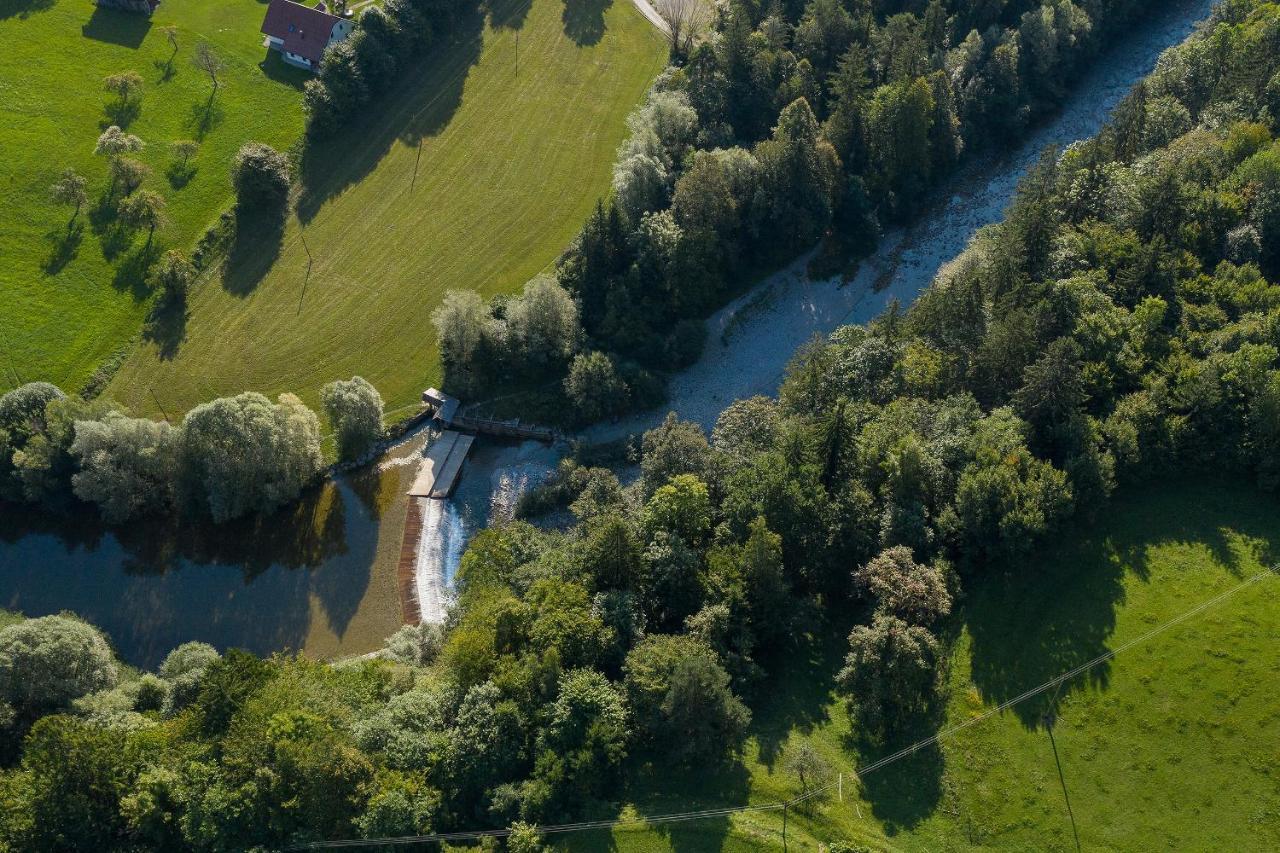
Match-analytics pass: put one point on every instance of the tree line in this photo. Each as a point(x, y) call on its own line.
point(1120, 324)
point(796, 125)
point(227, 458)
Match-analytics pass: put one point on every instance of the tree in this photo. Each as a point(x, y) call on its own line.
point(45, 663)
point(681, 699)
point(208, 61)
point(44, 465)
point(685, 20)
point(128, 174)
point(460, 328)
point(184, 669)
point(891, 674)
point(681, 507)
point(124, 85)
point(172, 277)
point(114, 143)
point(903, 588)
point(171, 35)
point(70, 189)
point(674, 447)
point(244, 454)
point(126, 465)
point(594, 386)
point(799, 171)
point(525, 838)
point(806, 764)
point(582, 744)
point(260, 175)
point(144, 209)
point(354, 409)
point(543, 323)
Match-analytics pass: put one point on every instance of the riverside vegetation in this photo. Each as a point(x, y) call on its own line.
point(1119, 326)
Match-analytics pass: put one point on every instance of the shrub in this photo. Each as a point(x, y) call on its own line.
point(354, 409)
point(46, 663)
point(260, 175)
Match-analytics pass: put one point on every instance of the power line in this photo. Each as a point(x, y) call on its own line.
point(703, 814)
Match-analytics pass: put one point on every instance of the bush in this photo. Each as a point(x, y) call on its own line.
point(46, 663)
point(594, 387)
point(354, 409)
point(260, 175)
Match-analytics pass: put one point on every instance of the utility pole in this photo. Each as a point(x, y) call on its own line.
point(1049, 720)
point(517, 53)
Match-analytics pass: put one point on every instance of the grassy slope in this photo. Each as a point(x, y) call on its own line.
point(66, 309)
point(1170, 746)
point(510, 167)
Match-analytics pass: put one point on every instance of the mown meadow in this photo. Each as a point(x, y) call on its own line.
point(1170, 745)
point(473, 173)
point(74, 291)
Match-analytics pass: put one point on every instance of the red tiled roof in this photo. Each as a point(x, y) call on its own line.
point(304, 30)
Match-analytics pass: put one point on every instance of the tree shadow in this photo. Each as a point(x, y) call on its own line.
point(421, 105)
point(113, 26)
point(1060, 611)
point(23, 9)
point(204, 117)
point(121, 113)
point(256, 244)
point(798, 692)
point(64, 246)
point(131, 273)
point(508, 14)
point(168, 70)
point(902, 793)
point(584, 20)
point(166, 327)
point(180, 173)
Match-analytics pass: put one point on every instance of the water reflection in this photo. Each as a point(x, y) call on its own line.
point(255, 584)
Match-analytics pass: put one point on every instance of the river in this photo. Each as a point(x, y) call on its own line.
point(321, 577)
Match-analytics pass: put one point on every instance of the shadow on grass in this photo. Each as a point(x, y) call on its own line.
point(180, 173)
point(23, 8)
point(131, 272)
point(204, 116)
point(276, 69)
point(64, 245)
point(121, 113)
point(584, 20)
point(167, 327)
point(126, 29)
point(508, 14)
point(421, 105)
point(254, 248)
point(1059, 610)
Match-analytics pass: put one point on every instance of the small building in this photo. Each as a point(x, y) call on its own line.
point(301, 33)
point(144, 7)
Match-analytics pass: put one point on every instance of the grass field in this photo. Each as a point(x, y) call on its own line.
point(73, 297)
point(1172, 745)
point(509, 161)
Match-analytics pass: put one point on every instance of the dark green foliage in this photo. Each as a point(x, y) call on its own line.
point(260, 175)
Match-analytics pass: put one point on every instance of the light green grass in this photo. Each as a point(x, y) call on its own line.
point(1171, 746)
point(66, 306)
point(510, 167)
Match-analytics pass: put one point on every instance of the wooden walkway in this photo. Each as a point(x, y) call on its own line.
point(439, 471)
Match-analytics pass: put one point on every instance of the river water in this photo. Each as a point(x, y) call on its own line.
point(320, 577)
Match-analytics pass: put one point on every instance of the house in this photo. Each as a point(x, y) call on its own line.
point(301, 33)
point(146, 7)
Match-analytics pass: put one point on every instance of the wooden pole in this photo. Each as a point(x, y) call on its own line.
point(416, 160)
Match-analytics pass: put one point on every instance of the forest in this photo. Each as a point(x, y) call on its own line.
point(1123, 322)
point(793, 126)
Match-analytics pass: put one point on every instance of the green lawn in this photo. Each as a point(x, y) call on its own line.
point(72, 298)
point(1173, 745)
point(508, 167)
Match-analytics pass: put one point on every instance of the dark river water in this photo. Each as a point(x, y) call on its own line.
point(320, 577)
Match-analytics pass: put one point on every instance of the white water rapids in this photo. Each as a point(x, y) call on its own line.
point(750, 340)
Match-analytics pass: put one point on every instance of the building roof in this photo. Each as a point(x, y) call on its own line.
point(304, 30)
